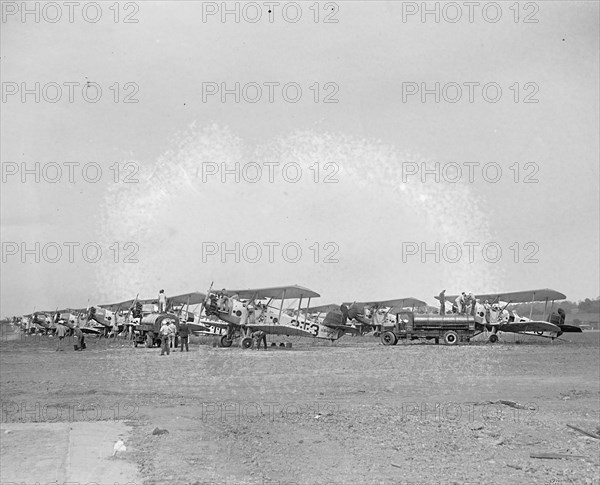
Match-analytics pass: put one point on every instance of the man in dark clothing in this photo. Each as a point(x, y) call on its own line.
point(184, 333)
point(260, 336)
point(442, 298)
point(80, 339)
point(562, 316)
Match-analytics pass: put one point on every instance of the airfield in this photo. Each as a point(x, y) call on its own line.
point(352, 412)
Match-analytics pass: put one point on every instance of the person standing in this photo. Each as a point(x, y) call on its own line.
point(162, 302)
point(61, 331)
point(461, 303)
point(172, 334)
point(184, 334)
point(244, 316)
point(80, 339)
point(442, 298)
point(164, 338)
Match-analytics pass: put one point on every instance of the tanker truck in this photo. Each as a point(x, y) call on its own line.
point(452, 329)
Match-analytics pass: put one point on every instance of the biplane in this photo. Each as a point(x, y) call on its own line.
point(373, 315)
point(495, 318)
point(72, 318)
point(180, 305)
point(242, 312)
point(39, 321)
point(120, 315)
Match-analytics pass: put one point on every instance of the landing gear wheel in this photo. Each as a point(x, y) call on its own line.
point(247, 343)
point(389, 338)
point(225, 342)
point(451, 337)
point(149, 341)
point(493, 338)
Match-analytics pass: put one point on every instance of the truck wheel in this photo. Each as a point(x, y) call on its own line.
point(389, 338)
point(149, 341)
point(225, 342)
point(451, 337)
point(247, 343)
point(493, 338)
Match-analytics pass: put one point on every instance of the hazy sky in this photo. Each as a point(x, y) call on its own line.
point(358, 235)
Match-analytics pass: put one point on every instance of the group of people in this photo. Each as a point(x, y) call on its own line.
point(464, 304)
point(62, 331)
point(168, 331)
point(220, 302)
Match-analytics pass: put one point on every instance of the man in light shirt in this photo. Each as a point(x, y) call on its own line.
point(172, 333)
point(61, 331)
point(164, 338)
point(162, 301)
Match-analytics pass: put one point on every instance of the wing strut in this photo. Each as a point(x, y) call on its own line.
point(281, 307)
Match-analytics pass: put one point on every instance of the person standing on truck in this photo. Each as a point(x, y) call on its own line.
point(164, 338)
point(461, 302)
point(184, 333)
point(162, 301)
point(442, 298)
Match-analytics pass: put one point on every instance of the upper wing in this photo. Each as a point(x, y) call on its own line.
point(395, 303)
point(193, 298)
point(525, 296)
point(276, 293)
point(532, 326)
point(126, 305)
point(113, 307)
point(321, 308)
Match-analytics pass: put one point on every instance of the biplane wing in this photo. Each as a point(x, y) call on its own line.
point(525, 296)
point(530, 326)
point(113, 307)
point(321, 308)
point(292, 292)
point(394, 303)
point(193, 298)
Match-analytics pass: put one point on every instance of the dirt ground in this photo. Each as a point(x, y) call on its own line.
point(354, 412)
